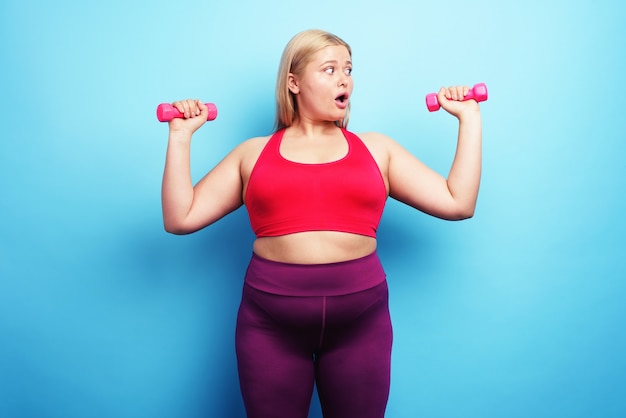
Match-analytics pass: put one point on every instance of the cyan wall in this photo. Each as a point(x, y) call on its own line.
point(518, 312)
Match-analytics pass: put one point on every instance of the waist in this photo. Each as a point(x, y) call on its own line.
point(314, 247)
point(328, 279)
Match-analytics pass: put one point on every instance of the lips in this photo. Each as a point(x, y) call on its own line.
point(342, 100)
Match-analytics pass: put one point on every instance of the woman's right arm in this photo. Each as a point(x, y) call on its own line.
point(186, 208)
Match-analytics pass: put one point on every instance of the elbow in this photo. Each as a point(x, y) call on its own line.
point(175, 229)
point(467, 213)
point(463, 213)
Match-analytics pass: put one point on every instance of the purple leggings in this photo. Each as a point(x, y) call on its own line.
point(325, 324)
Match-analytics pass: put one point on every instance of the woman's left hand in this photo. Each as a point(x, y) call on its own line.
point(451, 100)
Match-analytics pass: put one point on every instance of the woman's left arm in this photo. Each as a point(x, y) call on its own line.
point(454, 198)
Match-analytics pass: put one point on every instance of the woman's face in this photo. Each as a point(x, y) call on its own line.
point(324, 88)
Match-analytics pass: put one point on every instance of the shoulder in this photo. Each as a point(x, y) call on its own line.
point(373, 137)
point(379, 146)
point(252, 146)
point(259, 141)
point(381, 142)
point(383, 147)
point(377, 143)
point(247, 153)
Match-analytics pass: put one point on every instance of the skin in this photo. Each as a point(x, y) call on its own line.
point(314, 138)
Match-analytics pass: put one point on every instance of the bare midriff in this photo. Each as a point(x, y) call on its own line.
point(314, 247)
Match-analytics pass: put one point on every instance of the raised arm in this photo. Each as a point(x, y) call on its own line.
point(187, 208)
point(454, 198)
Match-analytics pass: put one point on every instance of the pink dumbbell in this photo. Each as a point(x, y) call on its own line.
point(478, 93)
point(166, 112)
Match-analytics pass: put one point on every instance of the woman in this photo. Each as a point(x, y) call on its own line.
point(314, 305)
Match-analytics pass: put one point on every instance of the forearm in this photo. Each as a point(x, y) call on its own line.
point(464, 177)
point(177, 187)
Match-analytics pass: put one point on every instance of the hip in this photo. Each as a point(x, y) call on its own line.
point(322, 279)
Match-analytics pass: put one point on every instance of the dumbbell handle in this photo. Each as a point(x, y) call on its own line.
point(478, 93)
point(166, 112)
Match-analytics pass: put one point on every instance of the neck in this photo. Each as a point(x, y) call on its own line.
point(312, 129)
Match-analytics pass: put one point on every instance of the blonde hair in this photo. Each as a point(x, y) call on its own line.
point(296, 56)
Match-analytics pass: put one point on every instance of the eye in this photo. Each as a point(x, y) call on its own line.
point(348, 71)
point(329, 70)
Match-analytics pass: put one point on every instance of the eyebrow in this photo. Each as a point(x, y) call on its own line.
point(348, 62)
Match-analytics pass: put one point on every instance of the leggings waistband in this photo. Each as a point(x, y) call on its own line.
point(332, 279)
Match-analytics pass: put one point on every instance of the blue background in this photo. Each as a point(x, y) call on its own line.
point(518, 312)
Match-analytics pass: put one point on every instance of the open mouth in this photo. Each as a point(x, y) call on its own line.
point(342, 98)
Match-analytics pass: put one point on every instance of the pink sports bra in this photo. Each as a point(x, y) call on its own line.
point(285, 197)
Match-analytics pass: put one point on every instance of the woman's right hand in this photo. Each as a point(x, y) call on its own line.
point(195, 115)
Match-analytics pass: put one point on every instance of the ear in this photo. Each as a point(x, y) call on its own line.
point(292, 82)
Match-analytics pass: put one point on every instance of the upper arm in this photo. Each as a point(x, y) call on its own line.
point(219, 192)
point(414, 183)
